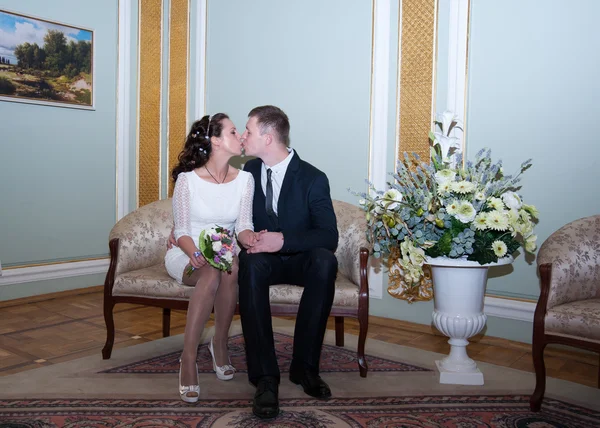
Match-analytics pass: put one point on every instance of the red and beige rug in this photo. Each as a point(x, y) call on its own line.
point(137, 387)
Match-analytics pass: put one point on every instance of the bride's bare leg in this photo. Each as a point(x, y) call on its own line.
point(225, 302)
point(206, 281)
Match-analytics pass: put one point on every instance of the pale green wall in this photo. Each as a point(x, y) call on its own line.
point(311, 58)
point(57, 165)
point(533, 93)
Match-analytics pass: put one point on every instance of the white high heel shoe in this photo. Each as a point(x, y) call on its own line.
point(220, 370)
point(189, 389)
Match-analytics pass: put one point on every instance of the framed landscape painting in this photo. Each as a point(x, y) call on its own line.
point(44, 62)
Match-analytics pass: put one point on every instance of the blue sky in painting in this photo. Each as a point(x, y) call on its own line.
point(16, 29)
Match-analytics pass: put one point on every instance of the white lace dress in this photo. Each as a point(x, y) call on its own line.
point(199, 204)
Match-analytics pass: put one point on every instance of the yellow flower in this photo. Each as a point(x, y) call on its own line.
point(481, 221)
point(497, 220)
point(463, 187)
point(499, 248)
point(452, 207)
point(495, 203)
point(444, 188)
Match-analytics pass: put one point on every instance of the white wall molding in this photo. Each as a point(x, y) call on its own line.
point(123, 108)
point(54, 271)
point(378, 129)
point(458, 37)
point(509, 309)
point(199, 58)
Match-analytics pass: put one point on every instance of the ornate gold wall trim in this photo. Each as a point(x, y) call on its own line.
point(416, 75)
point(178, 82)
point(149, 104)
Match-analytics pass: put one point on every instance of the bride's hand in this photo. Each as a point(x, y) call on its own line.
point(197, 260)
point(247, 238)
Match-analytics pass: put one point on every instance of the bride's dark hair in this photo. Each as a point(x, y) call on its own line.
point(197, 147)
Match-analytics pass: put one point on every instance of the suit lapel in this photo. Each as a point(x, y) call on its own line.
point(288, 180)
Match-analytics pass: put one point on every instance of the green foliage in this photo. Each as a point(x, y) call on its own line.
point(444, 245)
point(6, 86)
point(56, 56)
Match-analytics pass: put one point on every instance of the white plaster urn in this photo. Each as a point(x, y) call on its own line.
point(459, 290)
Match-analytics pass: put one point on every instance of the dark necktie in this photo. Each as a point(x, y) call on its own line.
point(269, 195)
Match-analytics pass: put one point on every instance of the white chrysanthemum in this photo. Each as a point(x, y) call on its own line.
point(499, 248)
point(452, 207)
point(217, 245)
point(497, 220)
point(465, 213)
point(481, 221)
point(463, 186)
point(362, 202)
point(480, 196)
point(444, 188)
point(495, 203)
point(444, 176)
point(530, 243)
point(512, 200)
point(392, 197)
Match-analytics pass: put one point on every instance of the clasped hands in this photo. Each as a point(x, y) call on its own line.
point(261, 242)
point(253, 242)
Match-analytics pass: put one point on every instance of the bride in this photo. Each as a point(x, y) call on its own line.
point(208, 192)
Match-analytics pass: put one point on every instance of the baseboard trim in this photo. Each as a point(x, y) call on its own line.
point(53, 271)
point(509, 309)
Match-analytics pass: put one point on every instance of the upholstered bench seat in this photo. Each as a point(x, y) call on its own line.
point(155, 283)
point(138, 243)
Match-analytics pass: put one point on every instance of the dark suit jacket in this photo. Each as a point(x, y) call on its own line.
point(305, 211)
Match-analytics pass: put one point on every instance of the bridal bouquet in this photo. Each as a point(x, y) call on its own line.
point(446, 208)
point(217, 246)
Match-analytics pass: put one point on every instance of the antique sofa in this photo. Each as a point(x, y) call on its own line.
point(568, 310)
point(138, 243)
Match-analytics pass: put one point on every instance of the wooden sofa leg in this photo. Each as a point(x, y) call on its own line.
point(166, 322)
point(110, 329)
point(363, 321)
point(599, 372)
point(535, 402)
point(339, 331)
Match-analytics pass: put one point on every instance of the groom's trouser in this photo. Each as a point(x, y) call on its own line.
point(315, 270)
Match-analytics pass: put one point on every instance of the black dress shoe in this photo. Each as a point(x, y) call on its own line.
point(266, 398)
point(312, 383)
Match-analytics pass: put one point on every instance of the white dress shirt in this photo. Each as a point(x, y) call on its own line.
point(277, 175)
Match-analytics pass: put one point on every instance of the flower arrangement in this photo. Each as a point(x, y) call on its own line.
point(445, 208)
point(217, 246)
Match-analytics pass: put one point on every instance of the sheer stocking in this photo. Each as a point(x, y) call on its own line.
point(206, 281)
point(225, 302)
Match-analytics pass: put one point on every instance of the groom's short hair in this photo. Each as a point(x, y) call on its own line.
point(274, 119)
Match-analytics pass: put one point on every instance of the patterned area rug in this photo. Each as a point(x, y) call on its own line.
point(333, 359)
point(422, 411)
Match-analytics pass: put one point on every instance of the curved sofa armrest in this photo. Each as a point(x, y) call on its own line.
point(352, 228)
point(142, 236)
point(573, 252)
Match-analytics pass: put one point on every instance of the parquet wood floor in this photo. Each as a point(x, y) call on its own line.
point(44, 330)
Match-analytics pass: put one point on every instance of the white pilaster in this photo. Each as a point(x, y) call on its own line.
point(378, 133)
point(123, 108)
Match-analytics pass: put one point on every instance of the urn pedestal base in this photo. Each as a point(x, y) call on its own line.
point(459, 290)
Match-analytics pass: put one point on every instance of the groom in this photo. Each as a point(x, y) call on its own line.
point(292, 203)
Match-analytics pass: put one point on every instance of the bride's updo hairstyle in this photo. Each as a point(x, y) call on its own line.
point(198, 147)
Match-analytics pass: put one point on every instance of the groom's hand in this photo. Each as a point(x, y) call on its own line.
point(268, 242)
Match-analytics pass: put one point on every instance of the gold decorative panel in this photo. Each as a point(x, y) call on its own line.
point(416, 68)
point(178, 78)
point(149, 108)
